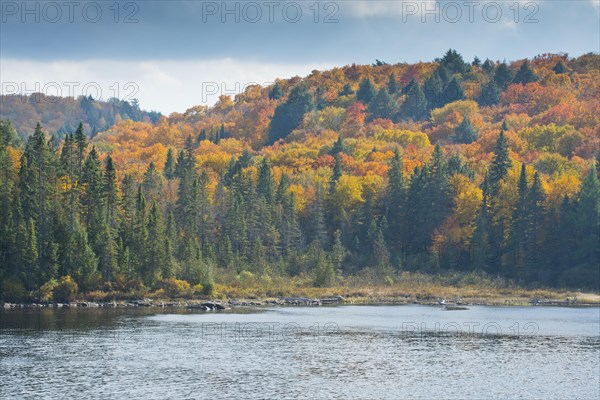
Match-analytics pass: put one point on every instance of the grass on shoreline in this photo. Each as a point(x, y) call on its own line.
point(406, 287)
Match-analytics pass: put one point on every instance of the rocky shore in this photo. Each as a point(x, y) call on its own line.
point(293, 301)
point(193, 305)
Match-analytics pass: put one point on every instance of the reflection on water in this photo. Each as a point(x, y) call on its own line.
point(353, 352)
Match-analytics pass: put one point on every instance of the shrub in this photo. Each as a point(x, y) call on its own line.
point(175, 287)
point(65, 290)
point(45, 293)
point(198, 289)
point(246, 279)
point(208, 288)
point(14, 290)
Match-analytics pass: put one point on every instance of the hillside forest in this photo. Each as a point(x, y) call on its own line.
point(370, 172)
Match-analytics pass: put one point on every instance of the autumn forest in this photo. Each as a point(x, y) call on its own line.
point(472, 168)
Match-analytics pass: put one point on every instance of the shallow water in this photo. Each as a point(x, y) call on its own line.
point(350, 352)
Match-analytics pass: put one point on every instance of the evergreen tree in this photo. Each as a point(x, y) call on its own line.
point(500, 163)
point(382, 105)
point(155, 257)
point(169, 169)
point(81, 145)
point(454, 62)
point(487, 67)
point(452, 92)
point(265, 184)
point(519, 221)
point(559, 68)
point(346, 91)
point(288, 115)
point(396, 196)
point(525, 74)
point(588, 214)
point(339, 146)
point(277, 92)
point(464, 132)
point(535, 218)
point(366, 91)
point(392, 85)
point(503, 76)
point(490, 94)
point(433, 89)
point(415, 104)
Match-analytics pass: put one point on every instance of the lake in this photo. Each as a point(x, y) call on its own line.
point(341, 352)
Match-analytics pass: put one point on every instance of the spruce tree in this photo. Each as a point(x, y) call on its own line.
point(503, 76)
point(169, 169)
point(501, 162)
point(392, 85)
point(464, 133)
point(382, 105)
point(366, 91)
point(525, 74)
point(415, 104)
point(490, 94)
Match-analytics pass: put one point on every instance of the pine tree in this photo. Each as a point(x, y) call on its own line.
point(503, 76)
point(289, 115)
point(464, 132)
point(433, 89)
point(525, 74)
point(559, 68)
point(415, 104)
point(452, 92)
point(366, 91)
point(535, 218)
point(487, 66)
point(339, 146)
point(454, 62)
point(155, 257)
point(519, 221)
point(396, 197)
point(346, 91)
point(382, 105)
point(490, 94)
point(392, 85)
point(38, 180)
point(588, 222)
point(265, 184)
point(169, 169)
point(381, 255)
point(81, 144)
point(500, 163)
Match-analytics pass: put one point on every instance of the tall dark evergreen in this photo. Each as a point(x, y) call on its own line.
point(169, 169)
point(490, 94)
point(503, 76)
point(415, 104)
point(464, 132)
point(501, 162)
point(288, 115)
point(366, 91)
point(525, 74)
point(382, 105)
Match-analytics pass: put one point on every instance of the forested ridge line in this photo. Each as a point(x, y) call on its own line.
point(321, 178)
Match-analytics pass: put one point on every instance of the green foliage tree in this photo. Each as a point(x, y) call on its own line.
point(366, 91)
point(288, 115)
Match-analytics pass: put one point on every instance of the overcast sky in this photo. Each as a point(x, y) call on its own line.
point(172, 55)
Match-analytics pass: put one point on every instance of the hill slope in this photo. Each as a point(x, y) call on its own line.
point(482, 172)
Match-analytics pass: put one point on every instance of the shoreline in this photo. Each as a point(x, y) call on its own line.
point(224, 304)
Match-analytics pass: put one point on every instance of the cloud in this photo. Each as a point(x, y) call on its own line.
point(363, 8)
point(164, 86)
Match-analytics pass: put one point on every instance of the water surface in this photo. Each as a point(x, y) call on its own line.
point(350, 352)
